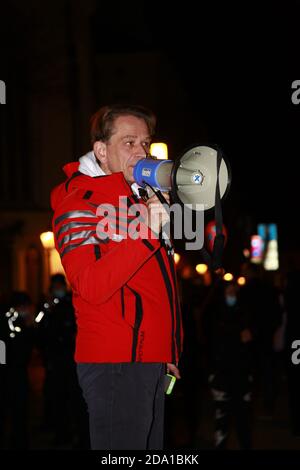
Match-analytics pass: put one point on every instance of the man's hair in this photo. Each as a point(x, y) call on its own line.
point(102, 121)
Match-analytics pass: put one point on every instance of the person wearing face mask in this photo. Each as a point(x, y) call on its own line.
point(64, 409)
point(229, 341)
point(231, 300)
point(122, 273)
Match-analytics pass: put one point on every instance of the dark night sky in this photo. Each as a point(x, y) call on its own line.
point(236, 65)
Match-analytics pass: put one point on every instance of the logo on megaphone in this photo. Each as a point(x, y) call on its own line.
point(192, 178)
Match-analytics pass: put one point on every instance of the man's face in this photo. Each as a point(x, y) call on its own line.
point(128, 144)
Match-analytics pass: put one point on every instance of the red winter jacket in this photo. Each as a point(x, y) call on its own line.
point(124, 291)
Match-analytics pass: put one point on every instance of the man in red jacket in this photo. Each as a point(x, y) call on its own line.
point(123, 279)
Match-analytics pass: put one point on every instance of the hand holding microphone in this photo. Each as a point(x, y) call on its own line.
point(158, 214)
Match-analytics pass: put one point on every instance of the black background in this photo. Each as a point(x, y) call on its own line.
point(236, 64)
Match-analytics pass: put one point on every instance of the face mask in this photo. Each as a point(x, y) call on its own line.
point(59, 293)
point(230, 300)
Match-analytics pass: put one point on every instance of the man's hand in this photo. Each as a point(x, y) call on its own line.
point(171, 368)
point(158, 214)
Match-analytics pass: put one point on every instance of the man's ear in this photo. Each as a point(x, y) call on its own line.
point(100, 152)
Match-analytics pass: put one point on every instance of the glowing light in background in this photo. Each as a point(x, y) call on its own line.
point(159, 150)
point(176, 258)
point(241, 281)
point(257, 249)
point(201, 268)
point(187, 272)
point(47, 239)
point(271, 261)
point(53, 258)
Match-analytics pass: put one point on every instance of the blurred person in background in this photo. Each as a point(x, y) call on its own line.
point(18, 334)
point(64, 408)
point(260, 301)
point(229, 352)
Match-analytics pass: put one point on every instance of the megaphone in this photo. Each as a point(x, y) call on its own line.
point(193, 178)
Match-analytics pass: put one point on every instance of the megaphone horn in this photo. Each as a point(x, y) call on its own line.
point(192, 178)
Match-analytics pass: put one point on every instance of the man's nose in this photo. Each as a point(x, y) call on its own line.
point(141, 152)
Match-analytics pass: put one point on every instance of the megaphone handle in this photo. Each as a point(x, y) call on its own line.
point(157, 193)
point(160, 196)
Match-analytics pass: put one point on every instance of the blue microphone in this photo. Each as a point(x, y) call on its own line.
point(155, 173)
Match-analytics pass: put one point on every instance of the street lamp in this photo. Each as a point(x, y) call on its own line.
point(54, 262)
point(52, 259)
point(159, 150)
point(47, 239)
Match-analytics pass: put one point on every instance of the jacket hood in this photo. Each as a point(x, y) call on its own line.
point(88, 165)
point(77, 180)
point(60, 191)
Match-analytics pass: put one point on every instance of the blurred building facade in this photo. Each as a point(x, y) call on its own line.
point(61, 61)
point(59, 68)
